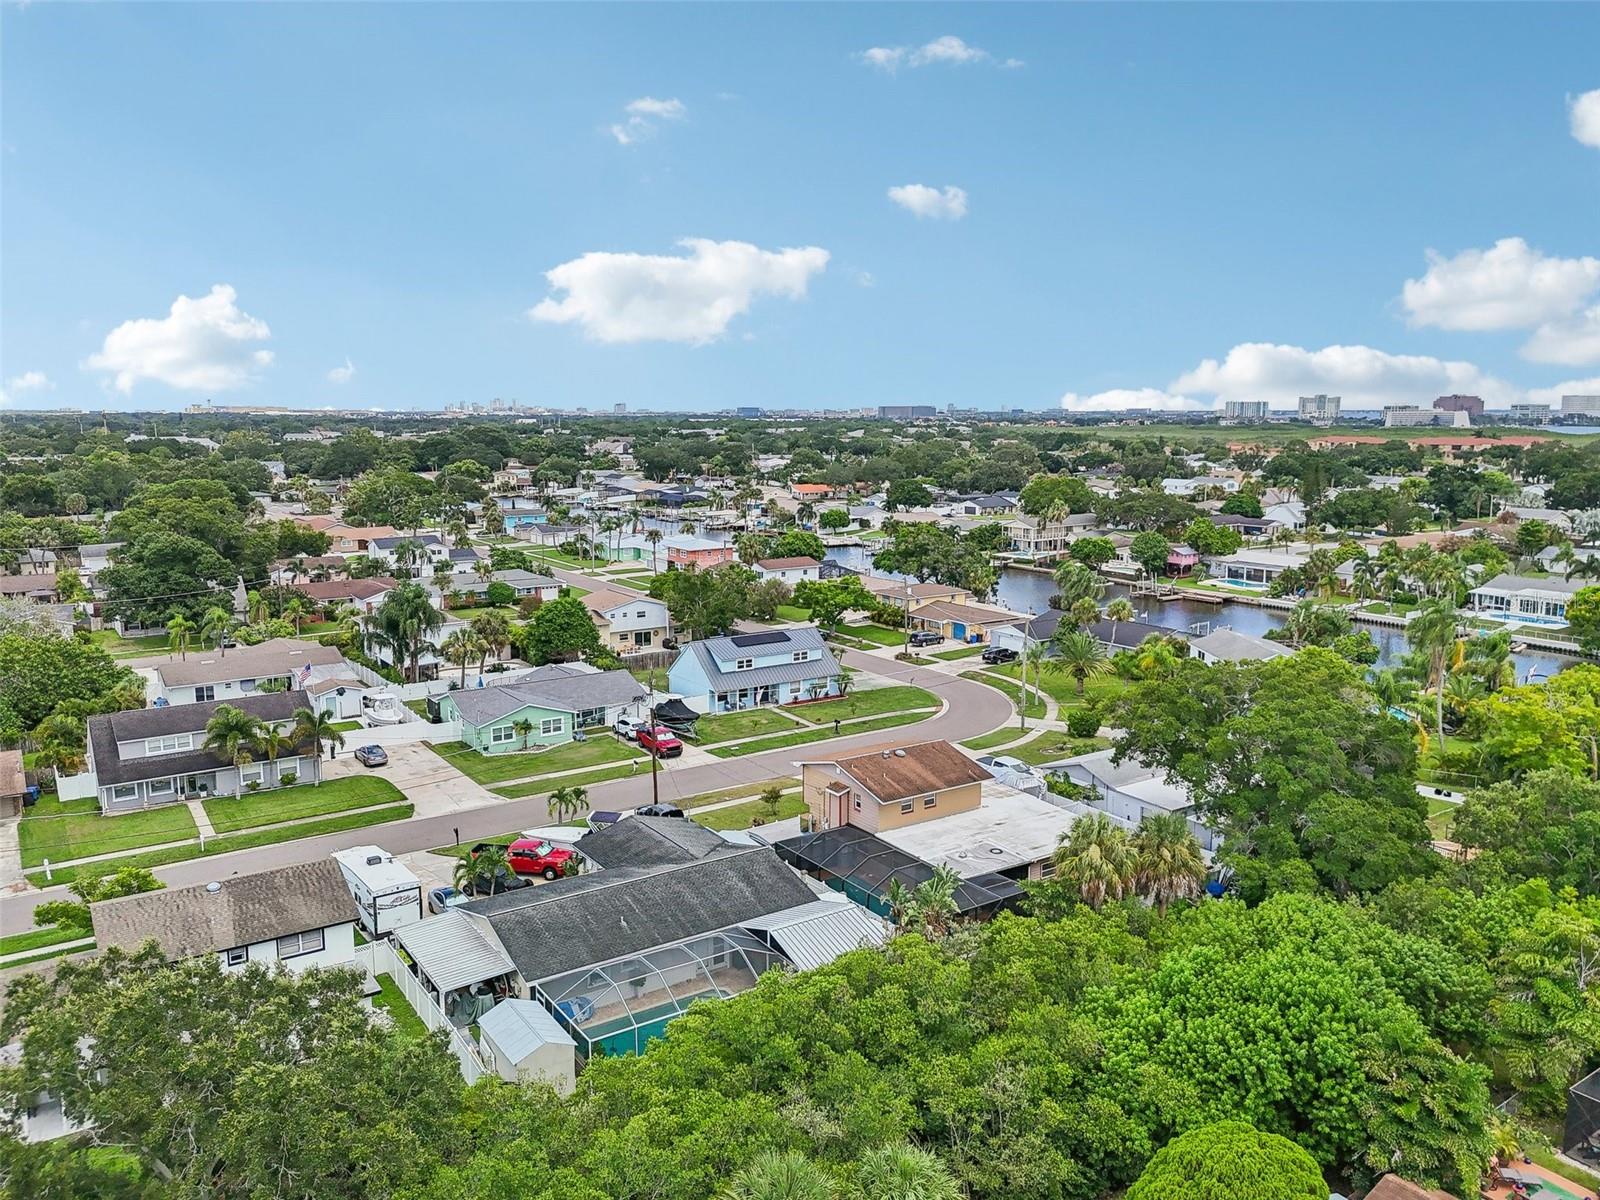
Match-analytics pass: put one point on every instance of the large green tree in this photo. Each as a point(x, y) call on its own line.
point(1230, 1160)
point(39, 672)
point(559, 631)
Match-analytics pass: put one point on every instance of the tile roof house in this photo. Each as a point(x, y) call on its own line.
point(552, 701)
point(299, 915)
point(224, 675)
point(151, 756)
point(746, 670)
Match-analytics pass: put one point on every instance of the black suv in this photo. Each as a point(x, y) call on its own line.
point(925, 637)
point(999, 654)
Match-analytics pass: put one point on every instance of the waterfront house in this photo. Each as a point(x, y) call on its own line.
point(1130, 791)
point(1229, 645)
point(686, 550)
point(969, 623)
point(1525, 599)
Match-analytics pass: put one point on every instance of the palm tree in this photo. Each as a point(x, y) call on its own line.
point(1074, 582)
point(568, 802)
point(60, 755)
point(1157, 659)
point(1433, 631)
point(523, 728)
point(296, 610)
point(1167, 859)
point(1364, 578)
point(256, 607)
point(773, 1176)
point(234, 734)
point(272, 741)
point(903, 1173)
point(490, 864)
point(405, 623)
point(492, 631)
point(460, 648)
point(317, 727)
point(1083, 612)
point(1095, 857)
point(687, 526)
point(484, 570)
point(1585, 568)
point(1079, 655)
point(933, 904)
point(899, 898)
point(179, 630)
point(216, 625)
point(1462, 690)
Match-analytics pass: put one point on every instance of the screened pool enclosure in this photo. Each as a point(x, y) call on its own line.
point(618, 1007)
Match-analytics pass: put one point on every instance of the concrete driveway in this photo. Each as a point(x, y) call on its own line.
point(429, 782)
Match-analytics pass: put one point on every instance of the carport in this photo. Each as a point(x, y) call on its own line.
point(461, 963)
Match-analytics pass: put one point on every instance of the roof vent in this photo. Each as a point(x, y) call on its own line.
point(899, 753)
point(213, 887)
point(374, 859)
point(886, 754)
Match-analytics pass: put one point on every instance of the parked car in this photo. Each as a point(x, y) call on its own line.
point(660, 741)
point(529, 856)
point(372, 756)
point(443, 899)
point(628, 728)
point(658, 810)
point(999, 654)
point(504, 881)
point(1004, 762)
point(925, 637)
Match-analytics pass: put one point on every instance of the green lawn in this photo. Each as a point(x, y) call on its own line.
point(996, 737)
point(1441, 817)
point(1063, 688)
point(1013, 691)
point(900, 698)
point(231, 842)
point(296, 803)
point(543, 787)
point(466, 612)
point(346, 726)
point(1054, 744)
point(788, 612)
point(391, 1001)
point(742, 816)
point(75, 829)
point(497, 768)
point(964, 652)
point(881, 634)
point(638, 578)
point(787, 783)
point(822, 733)
point(114, 644)
point(420, 707)
point(35, 939)
point(724, 728)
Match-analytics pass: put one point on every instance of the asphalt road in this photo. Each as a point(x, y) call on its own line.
point(971, 709)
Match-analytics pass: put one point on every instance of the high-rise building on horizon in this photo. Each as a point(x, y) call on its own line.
point(1529, 414)
point(1580, 406)
point(1242, 412)
point(1412, 416)
point(1471, 405)
point(1319, 409)
point(906, 412)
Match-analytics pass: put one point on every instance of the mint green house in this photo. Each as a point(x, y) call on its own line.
point(549, 704)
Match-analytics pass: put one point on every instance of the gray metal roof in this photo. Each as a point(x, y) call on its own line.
point(455, 950)
point(711, 652)
point(649, 842)
point(1238, 647)
point(814, 934)
point(567, 692)
point(519, 1027)
point(595, 918)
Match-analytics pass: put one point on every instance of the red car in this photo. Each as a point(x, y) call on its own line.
point(528, 857)
point(660, 741)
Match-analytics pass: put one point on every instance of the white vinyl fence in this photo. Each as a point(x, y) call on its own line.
point(379, 958)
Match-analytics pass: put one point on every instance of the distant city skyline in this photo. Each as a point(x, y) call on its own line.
point(1080, 208)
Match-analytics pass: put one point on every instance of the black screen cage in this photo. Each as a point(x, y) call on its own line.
point(1583, 1117)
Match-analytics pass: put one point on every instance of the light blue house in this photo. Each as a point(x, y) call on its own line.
point(746, 670)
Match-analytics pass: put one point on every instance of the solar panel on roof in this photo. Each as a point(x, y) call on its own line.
point(758, 639)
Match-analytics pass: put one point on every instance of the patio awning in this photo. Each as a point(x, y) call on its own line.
point(454, 952)
point(813, 935)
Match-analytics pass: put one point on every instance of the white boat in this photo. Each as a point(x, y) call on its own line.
point(383, 708)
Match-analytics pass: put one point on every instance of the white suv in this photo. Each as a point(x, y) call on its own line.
point(628, 728)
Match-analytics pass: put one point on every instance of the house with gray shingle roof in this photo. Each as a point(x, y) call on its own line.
point(541, 708)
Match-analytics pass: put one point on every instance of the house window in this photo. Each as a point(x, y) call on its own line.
point(642, 638)
point(249, 775)
point(551, 725)
point(908, 806)
point(1047, 869)
point(855, 801)
point(801, 655)
point(125, 791)
point(502, 733)
point(640, 614)
point(247, 685)
point(929, 801)
point(744, 664)
point(297, 944)
point(204, 692)
point(237, 956)
point(170, 744)
point(590, 717)
point(158, 787)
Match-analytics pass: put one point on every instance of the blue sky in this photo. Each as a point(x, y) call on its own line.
point(1154, 205)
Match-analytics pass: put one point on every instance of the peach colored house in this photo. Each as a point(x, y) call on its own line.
point(891, 786)
point(684, 550)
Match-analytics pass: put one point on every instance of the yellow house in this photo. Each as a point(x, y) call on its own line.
point(890, 787)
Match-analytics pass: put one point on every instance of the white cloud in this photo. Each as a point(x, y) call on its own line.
point(948, 49)
point(204, 345)
point(1574, 342)
point(1509, 286)
point(1122, 399)
point(947, 205)
point(673, 298)
point(1572, 387)
point(1365, 377)
point(643, 113)
point(1584, 113)
point(343, 374)
point(30, 381)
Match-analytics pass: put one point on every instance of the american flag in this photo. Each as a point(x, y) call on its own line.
point(303, 677)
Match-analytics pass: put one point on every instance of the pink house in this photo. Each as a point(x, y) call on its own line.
point(684, 550)
point(1181, 558)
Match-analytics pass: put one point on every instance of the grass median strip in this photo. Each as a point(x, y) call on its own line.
point(743, 816)
point(868, 703)
point(964, 652)
point(600, 748)
point(997, 737)
point(542, 787)
point(36, 939)
point(229, 815)
point(227, 844)
point(60, 830)
point(822, 733)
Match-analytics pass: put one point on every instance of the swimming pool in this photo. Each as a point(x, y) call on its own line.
point(1243, 585)
point(1515, 619)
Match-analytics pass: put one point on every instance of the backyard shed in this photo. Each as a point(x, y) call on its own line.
point(520, 1041)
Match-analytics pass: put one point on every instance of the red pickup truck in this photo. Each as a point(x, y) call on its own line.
point(528, 857)
point(660, 741)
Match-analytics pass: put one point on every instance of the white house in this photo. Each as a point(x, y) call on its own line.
point(1525, 599)
point(299, 916)
point(628, 622)
point(1130, 791)
point(789, 570)
point(1229, 645)
point(199, 676)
